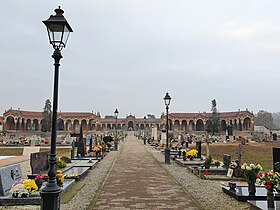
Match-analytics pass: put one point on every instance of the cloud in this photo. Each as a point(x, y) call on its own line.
point(235, 31)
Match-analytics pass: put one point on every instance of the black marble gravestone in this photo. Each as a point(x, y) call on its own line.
point(226, 160)
point(198, 148)
point(276, 159)
point(81, 145)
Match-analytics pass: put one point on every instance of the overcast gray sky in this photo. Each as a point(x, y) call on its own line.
point(127, 54)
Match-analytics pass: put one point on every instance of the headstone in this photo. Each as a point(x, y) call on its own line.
point(73, 150)
point(276, 159)
point(274, 137)
point(81, 145)
point(8, 176)
point(226, 160)
point(198, 148)
point(239, 153)
point(39, 162)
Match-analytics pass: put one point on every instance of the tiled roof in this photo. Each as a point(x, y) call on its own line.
point(25, 114)
point(204, 114)
point(75, 114)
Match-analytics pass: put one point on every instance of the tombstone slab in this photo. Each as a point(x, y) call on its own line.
point(8, 176)
point(39, 162)
point(226, 160)
point(276, 159)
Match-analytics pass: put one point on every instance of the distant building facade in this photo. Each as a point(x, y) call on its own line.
point(20, 120)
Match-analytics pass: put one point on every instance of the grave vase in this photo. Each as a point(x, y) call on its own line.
point(251, 188)
point(270, 199)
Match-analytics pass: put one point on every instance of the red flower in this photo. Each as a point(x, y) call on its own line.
point(268, 187)
point(266, 173)
point(268, 182)
point(260, 174)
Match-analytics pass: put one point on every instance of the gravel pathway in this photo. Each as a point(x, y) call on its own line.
point(207, 193)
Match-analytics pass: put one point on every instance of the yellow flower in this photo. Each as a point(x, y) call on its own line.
point(30, 185)
point(192, 153)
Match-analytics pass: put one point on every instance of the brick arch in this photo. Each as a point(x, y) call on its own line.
point(247, 124)
point(60, 124)
point(191, 125)
point(199, 125)
point(10, 123)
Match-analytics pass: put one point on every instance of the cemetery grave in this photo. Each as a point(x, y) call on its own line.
point(73, 172)
point(259, 199)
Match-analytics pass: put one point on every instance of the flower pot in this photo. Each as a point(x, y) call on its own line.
point(270, 200)
point(251, 188)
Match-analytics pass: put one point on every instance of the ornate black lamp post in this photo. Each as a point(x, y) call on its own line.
point(167, 100)
point(116, 140)
point(58, 30)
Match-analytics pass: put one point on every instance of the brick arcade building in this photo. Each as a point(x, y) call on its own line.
point(20, 120)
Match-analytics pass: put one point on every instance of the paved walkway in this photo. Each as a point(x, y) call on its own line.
point(137, 181)
point(12, 160)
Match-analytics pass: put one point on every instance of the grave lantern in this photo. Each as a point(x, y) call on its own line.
point(167, 100)
point(58, 32)
point(116, 141)
point(58, 29)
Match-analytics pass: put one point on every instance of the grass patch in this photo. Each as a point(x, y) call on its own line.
point(252, 153)
point(4, 151)
point(66, 197)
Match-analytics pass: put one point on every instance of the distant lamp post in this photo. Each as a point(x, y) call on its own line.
point(145, 140)
point(58, 31)
point(167, 100)
point(116, 140)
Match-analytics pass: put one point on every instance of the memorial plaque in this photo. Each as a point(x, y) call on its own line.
point(8, 176)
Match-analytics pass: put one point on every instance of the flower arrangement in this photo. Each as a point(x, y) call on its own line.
point(71, 176)
point(59, 178)
point(40, 179)
point(23, 188)
point(96, 149)
point(61, 163)
point(18, 190)
point(271, 181)
point(217, 163)
point(251, 172)
point(192, 153)
point(30, 185)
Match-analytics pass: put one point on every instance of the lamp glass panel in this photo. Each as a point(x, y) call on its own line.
point(65, 35)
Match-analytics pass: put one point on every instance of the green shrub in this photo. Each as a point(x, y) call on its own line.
point(107, 139)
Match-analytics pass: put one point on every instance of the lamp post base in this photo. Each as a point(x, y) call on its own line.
point(167, 155)
point(50, 200)
point(116, 145)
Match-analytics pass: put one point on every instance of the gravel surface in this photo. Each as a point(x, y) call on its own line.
point(207, 193)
